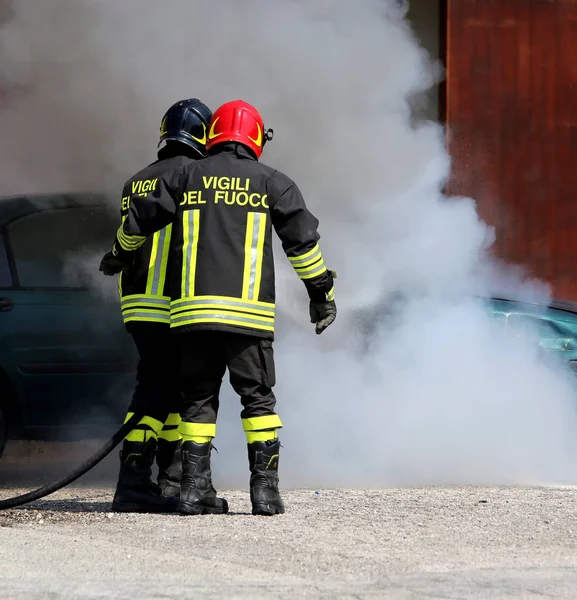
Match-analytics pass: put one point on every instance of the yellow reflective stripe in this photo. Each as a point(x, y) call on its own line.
point(318, 263)
point(191, 221)
point(152, 262)
point(307, 257)
point(164, 258)
point(149, 421)
point(129, 242)
point(253, 255)
point(247, 254)
point(158, 261)
point(260, 423)
point(225, 318)
point(146, 317)
point(260, 436)
point(222, 320)
point(144, 311)
point(170, 435)
point(154, 424)
point(204, 429)
point(119, 284)
point(157, 304)
point(227, 313)
point(219, 308)
point(147, 428)
point(309, 275)
point(141, 435)
point(197, 439)
point(309, 265)
point(237, 302)
point(331, 294)
point(172, 419)
point(259, 255)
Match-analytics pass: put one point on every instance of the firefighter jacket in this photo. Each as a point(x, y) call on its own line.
point(143, 286)
point(222, 210)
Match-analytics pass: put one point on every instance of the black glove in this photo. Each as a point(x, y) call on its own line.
point(112, 265)
point(323, 314)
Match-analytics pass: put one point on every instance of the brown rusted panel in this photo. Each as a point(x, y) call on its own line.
point(511, 111)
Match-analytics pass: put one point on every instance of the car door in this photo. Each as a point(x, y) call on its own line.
point(64, 334)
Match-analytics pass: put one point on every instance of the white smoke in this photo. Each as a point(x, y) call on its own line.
point(436, 393)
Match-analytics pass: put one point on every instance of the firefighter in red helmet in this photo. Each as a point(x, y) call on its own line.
point(223, 210)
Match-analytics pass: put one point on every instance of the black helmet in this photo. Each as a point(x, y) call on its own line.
point(187, 122)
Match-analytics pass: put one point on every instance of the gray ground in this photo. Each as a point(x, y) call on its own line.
point(441, 542)
point(463, 542)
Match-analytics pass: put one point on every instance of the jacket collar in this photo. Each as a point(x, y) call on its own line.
point(234, 148)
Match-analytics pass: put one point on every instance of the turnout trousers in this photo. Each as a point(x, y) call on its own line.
point(205, 356)
point(156, 435)
point(156, 394)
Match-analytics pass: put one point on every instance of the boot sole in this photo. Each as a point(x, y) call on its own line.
point(200, 509)
point(267, 510)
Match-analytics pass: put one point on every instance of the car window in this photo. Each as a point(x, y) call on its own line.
point(60, 248)
point(5, 277)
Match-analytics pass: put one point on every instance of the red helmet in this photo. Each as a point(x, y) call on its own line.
point(238, 121)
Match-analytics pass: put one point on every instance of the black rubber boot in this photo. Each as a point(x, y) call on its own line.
point(264, 494)
point(169, 464)
point(135, 492)
point(197, 494)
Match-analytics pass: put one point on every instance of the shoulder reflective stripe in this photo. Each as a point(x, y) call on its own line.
point(306, 259)
point(221, 319)
point(225, 300)
point(253, 253)
point(190, 225)
point(158, 261)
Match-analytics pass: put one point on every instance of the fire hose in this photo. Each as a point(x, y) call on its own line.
point(78, 472)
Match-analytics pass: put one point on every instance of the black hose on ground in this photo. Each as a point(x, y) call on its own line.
point(78, 472)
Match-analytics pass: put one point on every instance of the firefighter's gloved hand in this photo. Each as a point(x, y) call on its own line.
point(323, 314)
point(112, 265)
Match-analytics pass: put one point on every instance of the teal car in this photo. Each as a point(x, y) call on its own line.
point(555, 324)
point(67, 365)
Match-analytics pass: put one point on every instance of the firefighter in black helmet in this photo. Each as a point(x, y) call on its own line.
point(145, 305)
point(223, 210)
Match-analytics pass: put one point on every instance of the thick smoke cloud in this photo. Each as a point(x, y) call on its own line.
point(434, 392)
